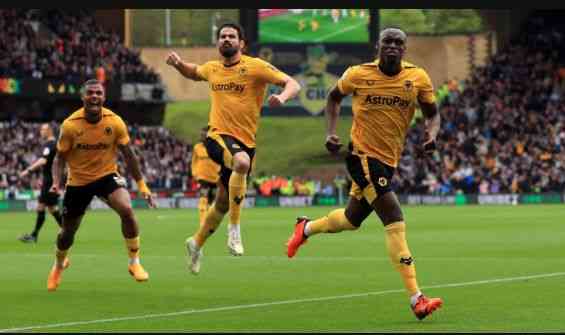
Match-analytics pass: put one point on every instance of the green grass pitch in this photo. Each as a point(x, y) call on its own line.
point(498, 268)
point(285, 29)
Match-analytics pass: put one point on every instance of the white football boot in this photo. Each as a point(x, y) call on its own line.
point(235, 247)
point(194, 255)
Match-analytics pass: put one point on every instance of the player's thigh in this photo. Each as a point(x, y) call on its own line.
point(218, 150)
point(111, 189)
point(228, 152)
point(371, 181)
point(120, 201)
point(357, 210)
point(388, 208)
point(386, 204)
point(76, 201)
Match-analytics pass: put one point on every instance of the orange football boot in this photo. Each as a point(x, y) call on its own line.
point(54, 278)
point(137, 271)
point(298, 238)
point(425, 306)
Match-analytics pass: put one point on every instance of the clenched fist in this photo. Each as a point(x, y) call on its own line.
point(173, 59)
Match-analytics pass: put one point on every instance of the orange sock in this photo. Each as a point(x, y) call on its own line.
point(211, 222)
point(395, 236)
point(132, 245)
point(334, 222)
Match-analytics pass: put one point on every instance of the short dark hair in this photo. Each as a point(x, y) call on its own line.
point(233, 25)
point(89, 82)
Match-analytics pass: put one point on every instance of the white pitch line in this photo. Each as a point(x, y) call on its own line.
point(275, 303)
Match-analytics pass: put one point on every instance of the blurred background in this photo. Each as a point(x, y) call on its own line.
point(498, 74)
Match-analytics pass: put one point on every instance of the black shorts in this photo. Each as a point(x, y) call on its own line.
point(77, 198)
point(380, 175)
point(48, 198)
point(221, 148)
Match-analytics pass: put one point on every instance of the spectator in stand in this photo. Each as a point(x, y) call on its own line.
point(497, 128)
point(163, 156)
point(69, 55)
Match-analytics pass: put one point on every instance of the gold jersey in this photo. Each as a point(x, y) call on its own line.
point(91, 149)
point(384, 106)
point(202, 166)
point(237, 93)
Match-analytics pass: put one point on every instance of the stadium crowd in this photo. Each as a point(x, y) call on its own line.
point(164, 159)
point(503, 129)
point(68, 46)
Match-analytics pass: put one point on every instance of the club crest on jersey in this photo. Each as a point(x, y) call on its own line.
point(408, 85)
point(121, 181)
point(108, 131)
point(382, 181)
point(371, 82)
point(243, 71)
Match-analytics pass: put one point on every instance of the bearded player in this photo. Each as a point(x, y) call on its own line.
point(238, 85)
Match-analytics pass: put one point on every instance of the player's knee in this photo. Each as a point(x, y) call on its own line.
point(241, 163)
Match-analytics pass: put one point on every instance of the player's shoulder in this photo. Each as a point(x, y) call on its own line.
point(251, 60)
point(109, 115)
point(73, 120)
point(75, 116)
point(361, 69)
point(409, 66)
point(256, 62)
point(211, 63)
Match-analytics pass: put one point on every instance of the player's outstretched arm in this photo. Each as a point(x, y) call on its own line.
point(333, 103)
point(290, 90)
point(432, 123)
point(34, 166)
point(133, 167)
point(57, 171)
point(186, 69)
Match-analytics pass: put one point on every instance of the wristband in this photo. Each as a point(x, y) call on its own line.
point(142, 187)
